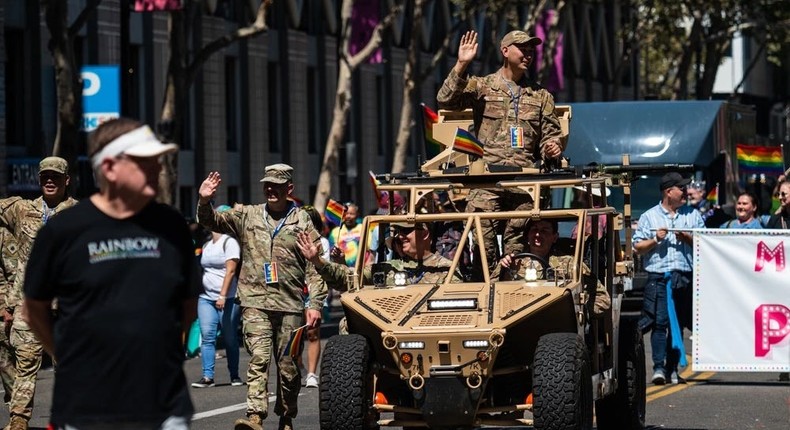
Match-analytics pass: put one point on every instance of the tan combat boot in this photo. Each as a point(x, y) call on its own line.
point(252, 422)
point(17, 423)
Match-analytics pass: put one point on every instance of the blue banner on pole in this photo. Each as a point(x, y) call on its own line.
point(101, 95)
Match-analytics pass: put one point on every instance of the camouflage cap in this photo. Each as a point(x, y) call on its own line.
point(518, 37)
point(54, 164)
point(279, 173)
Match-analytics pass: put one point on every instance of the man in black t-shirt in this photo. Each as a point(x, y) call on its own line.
point(121, 268)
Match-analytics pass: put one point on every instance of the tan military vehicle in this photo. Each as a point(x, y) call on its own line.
point(483, 344)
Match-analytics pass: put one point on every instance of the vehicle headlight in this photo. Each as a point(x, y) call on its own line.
point(476, 344)
point(413, 344)
point(440, 304)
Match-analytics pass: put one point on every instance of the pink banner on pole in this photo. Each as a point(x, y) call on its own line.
point(155, 5)
point(364, 18)
point(555, 81)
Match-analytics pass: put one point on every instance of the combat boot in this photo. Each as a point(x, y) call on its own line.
point(17, 423)
point(252, 422)
point(285, 424)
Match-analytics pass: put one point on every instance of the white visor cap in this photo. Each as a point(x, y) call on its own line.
point(140, 142)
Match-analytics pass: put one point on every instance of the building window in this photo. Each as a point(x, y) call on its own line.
point(313, 106)
point(382, 109)
point(15, 87)
point(233, 195)
point(275, 113)
point(232, 113)
point(186, 201)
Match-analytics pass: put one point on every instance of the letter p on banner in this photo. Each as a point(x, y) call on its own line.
point(771, 325)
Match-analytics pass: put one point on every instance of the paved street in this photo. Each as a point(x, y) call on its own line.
point(707, 401)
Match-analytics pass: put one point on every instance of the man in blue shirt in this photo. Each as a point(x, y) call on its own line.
point(667, 256)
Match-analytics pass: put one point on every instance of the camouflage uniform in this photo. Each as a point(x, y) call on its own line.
point(495, 112)
point(270, 312)
point(24, 218)
point(8, 262)
point(563, 267)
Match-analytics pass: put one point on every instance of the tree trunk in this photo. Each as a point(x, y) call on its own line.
point(337, 133)
point(67, 81)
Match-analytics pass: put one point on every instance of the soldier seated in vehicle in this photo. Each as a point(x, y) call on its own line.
point(413, 261)
point(541, 237)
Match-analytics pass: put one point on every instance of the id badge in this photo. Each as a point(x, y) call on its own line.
point(516, 137)
point(270, 272)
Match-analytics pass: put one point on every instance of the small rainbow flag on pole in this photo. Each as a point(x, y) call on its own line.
point(334, 212)
point(755, 160)
point(466, 142)
point(429, 118)
point(713, 195)
point(294, 346)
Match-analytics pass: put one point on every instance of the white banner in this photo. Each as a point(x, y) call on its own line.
point(741, 300)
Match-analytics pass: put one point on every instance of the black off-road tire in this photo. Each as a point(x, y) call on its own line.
point(625, 409)
point(561, 383)
point(345, 392)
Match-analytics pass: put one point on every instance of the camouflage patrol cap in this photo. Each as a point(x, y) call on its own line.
point(54, 164)
point(518, 37)
point(279, 173)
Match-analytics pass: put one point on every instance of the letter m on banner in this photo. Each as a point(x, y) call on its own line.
point(766, 254)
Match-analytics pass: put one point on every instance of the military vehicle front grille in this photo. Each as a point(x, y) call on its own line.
point(445, 320)
point(392, 305)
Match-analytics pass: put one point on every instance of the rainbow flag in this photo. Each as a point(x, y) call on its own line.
point(294, 345)
point(429, 118)
point(375, 184)
point(468, 144)
point(713, 195)
point(757, 160)
point(334, 212)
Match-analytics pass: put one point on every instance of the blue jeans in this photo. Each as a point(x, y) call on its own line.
point(655, 318)
point(211, 319)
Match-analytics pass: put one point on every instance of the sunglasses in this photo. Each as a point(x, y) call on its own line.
point(783, 194)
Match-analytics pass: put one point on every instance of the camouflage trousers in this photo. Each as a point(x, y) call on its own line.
point(7, 363)
point(512, 231)
point(267, 333)
point(28, 351)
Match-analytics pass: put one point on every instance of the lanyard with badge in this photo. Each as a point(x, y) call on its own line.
point(45, 212)
point(516, 132)
point(270, 268)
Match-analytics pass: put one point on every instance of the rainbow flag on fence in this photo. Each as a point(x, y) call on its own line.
point(294, 345)
point(429, 118)
point(467, 143)
point(334, 212)
point(759, 160)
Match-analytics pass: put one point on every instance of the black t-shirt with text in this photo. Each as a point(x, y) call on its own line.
point(120, 286)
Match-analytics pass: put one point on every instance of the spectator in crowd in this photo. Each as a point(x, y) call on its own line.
point(271, 283)
point(745, 213)
point(314, 333)
point(540, 239)
point(668, 258)
point(120, 266)
point(514, 119)
point(345, 237)
point(781, 219)
point(217, 308)
point(697, 198)
point(24, 218)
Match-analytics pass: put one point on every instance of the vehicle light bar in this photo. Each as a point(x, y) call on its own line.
point(476, 344)
point(443, 304)
point(412, 345)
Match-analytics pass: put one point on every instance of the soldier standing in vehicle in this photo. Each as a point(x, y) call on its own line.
point(273, 273)
point(668, 258)
point(514, 119)
point(24, 218)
